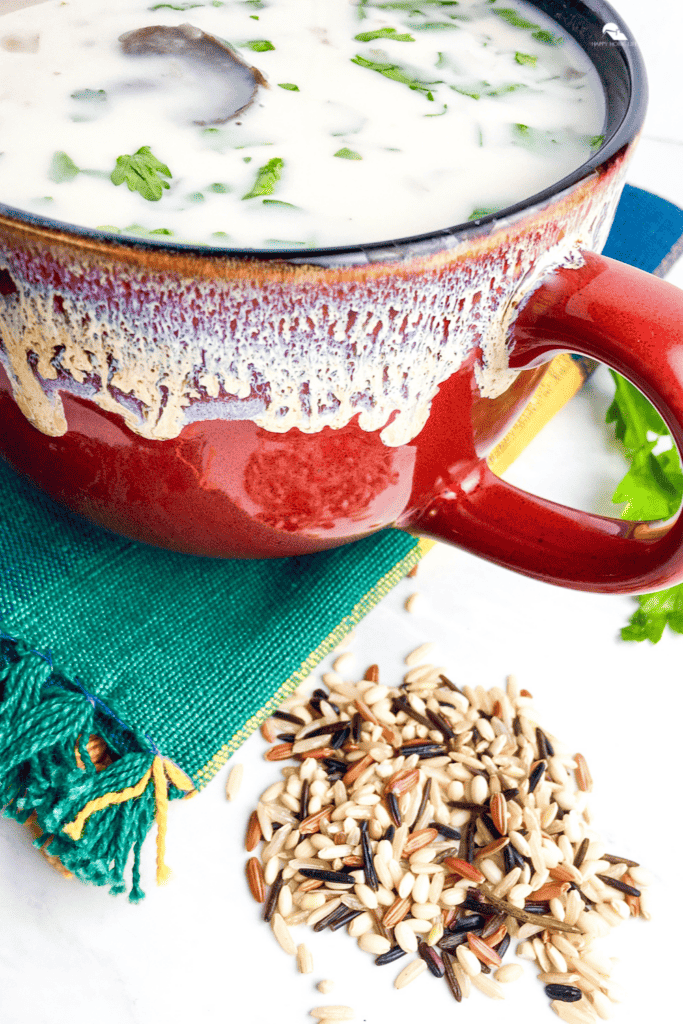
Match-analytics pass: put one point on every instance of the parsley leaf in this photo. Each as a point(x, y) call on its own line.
point(348, 154)
point(384, 33)
point(396, 73)
point(267, 178)
point(142, 172)
point(62, 168)
point(526, 58)
point(515, 19)
point(259, 45)
point(289, 86)
point(652, 489)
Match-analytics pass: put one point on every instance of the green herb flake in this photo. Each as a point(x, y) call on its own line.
point(526, 58)
point(160, 231)
point(62, 168)
point(279, 202)
point(218, 187)
point(90, 95)
point(174, 7)
point(348, 154)
point(596, 141)
point(544, 36)
point(196, 197)
point(514, 18)
point(259, 45)
point(482, 211)
point(289, 86)
point(142, 173)
point(441, 112)
point(385, 33)
point(396, 74)
point(266, 179)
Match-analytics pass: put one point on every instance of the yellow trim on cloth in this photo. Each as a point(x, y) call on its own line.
point(161, 772)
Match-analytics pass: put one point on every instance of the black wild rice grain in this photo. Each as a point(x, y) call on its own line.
point(390, 833)
point(440, 723)
point(303, 799)
point(449, 685)
point(286, 737)
point(476, 736)
point(392, 807)
point(333, 916)
point(371, 879)
point(271, 901)
point(469, 923)
point(469, 836)
point(581, 852)
point(344, 919)
point(617, 883)
point(328, 730)
point(451, 940)
point(451, 979)
point(614, 859)
point(516, 726)
point(340, 738)
point(565, 993)
point(395, 953)
point(536, 908)
point(423, 750)
point(492, 925)
point(403, 704)
point(426, 793)
point(510, 794)
point(451, 851)
point(445, 830)
point(508, 859)
point(502, 947)
point(545, 747)
point(286, 717)
point(338, 877)
point(333, 764)
point(536, 775)
point(466, 805)
point(488, 821)
point(356, 726)
point(431, 958)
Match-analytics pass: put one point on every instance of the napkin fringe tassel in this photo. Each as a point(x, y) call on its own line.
point(88, 805)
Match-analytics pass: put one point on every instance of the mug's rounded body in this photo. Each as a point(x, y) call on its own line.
point(247, 407)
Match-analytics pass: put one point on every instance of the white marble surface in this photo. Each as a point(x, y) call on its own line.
point(196, 949)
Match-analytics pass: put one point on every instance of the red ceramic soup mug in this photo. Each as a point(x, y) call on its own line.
point(261, 404)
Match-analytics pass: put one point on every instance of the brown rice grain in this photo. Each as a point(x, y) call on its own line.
point(419, 654)
point(369, 942)
point(405, 937)
point(411, 971)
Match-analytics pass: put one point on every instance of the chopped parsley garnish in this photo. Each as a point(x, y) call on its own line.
point(513, 17)
point(62, 168)
point(289, 86)
point(482, 211)
point(596, 141)
point(90, 95)
point(279, 202)
point(143, 173)
point(526, 58)
point(385, 33)
point(544, 36)
point(652, 489)
point(348, 154)
point(259, 45)
point(441, 112)
point(219, 188)
point(397, 74)
point(266, 179)
point(175, 7)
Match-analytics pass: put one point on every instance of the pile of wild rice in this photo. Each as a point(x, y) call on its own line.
point(438, 824)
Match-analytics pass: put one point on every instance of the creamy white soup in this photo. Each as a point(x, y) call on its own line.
point(287, 123)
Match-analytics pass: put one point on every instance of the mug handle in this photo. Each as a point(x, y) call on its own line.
point(633, 322)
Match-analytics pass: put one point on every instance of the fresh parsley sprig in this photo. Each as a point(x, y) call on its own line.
point(397, 74)
point(143, 173)
point(267, 178)
point(652, 489)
